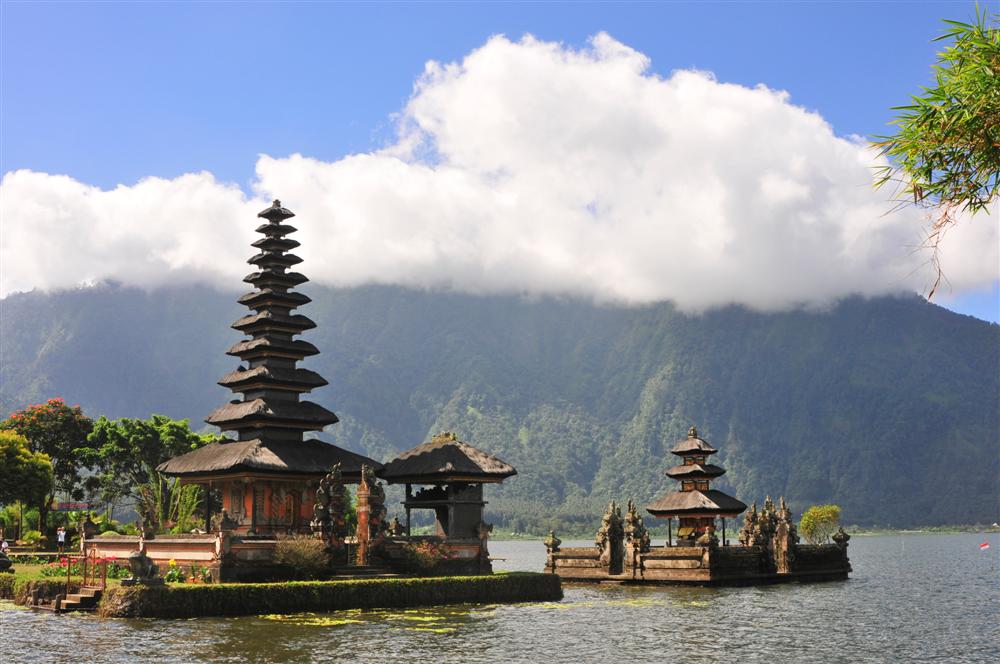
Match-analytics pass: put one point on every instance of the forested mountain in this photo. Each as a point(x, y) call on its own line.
point(888, 407)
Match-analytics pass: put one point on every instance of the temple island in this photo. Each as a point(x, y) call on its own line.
point(270, 482)
point(768, 550)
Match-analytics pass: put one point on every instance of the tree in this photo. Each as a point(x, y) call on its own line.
point(57, 430)
point(127, 451)
point(25, 476)
point(819, 522)
point(947, 147)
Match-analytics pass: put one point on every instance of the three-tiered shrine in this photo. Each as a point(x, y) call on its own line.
point(696, 505)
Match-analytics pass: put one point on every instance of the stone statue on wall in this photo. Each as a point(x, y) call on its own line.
point(551, 546)
point(329, 522)
point(841, 538)
point(610, 539)
point(784, 541)
point(746, 535)
point(635, 530)
point(144, 571)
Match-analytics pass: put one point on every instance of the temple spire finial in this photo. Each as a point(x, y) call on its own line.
point(693, 432)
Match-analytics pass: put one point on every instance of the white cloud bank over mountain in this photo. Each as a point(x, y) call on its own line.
point(529, 168)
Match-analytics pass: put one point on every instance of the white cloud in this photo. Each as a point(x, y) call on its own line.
point(529, 168)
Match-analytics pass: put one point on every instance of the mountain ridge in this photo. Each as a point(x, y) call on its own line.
point(887, 406)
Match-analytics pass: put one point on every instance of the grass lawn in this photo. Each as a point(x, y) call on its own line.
point(34, 572)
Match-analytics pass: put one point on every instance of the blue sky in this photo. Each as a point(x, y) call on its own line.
point(109, 93)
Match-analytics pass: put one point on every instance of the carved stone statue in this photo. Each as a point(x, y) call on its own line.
point(144, 571)
point(708, 538)
point(610, 539)
point(226, 523)
point(841, 538)
point(784, 541)
point(329, 521)
point(483, 531)
point(552, 542)
point(88, 528)
point(746, 535)
point(635, 529)
point(396, 529)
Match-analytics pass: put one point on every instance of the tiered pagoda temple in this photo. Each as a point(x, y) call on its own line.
point(768, 552)
point(696, 504)
point(268, 475)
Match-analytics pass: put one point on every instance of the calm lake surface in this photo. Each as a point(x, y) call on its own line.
point(920, 598)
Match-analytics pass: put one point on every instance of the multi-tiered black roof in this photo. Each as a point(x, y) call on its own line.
point(698, 499)
point(270, 418)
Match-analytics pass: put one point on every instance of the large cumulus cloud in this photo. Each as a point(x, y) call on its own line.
point(530, 167)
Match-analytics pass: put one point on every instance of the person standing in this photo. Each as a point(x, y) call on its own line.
point(61, 539)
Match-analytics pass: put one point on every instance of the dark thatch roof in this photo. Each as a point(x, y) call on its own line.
point(294, 379)
point(266, 346)
point(696, 471)
point(693, 445)
point(276, 214)
point(679, 503)
point(298, 414)
point(268, 320)
point(446, 459)
point(268, 296)
point(305, 457)
point(263, 278)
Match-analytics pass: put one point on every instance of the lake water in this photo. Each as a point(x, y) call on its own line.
point(927, 598)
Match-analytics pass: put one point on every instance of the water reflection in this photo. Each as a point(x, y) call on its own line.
point(927, 599)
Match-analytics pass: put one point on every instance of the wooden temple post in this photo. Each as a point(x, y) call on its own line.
point(409, 496)
point(670, 531)
point(723, 531)
point(363, 531)
point(208, 507)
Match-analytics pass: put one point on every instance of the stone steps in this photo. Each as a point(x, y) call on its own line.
point(85, 600)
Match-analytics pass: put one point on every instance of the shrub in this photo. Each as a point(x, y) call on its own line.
point(174, 573)
point(7, 586)
point(422, 556)
point(819, 522)
point(33, 538)
point(305, 557)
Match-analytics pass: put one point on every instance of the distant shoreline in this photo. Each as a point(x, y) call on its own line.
point(852, 530)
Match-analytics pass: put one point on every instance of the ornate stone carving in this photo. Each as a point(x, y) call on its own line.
point(784, 541)
point(708, 538)
point(88, 528)
point(841, 538)
point(396, 529)
point(747, 532)
point(144, 571)
point(226, 523)
point(371, 516)
point(635, 530)
point(552, 542)
point(610, 539)
point(329, 522)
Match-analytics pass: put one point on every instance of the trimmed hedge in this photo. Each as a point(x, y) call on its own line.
point(6, 586)
point(20, 590)
point(296, 597)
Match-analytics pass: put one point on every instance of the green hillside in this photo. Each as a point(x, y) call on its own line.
point(888, 407)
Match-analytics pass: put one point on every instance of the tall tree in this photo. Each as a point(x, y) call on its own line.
point(947, 147)
point(25, 476)
point(57, 430)
point(127, 451)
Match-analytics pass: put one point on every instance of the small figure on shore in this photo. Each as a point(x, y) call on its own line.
point(61, 539)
